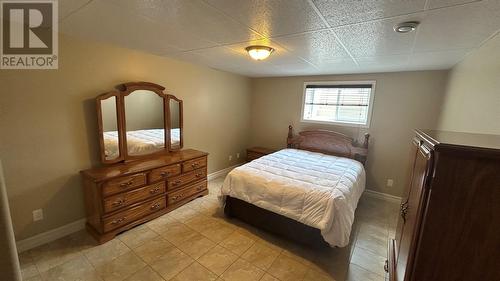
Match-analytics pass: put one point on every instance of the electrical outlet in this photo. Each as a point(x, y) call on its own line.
point(230, 157)
point(390, 182)
point(38, 215)
point(238, 155)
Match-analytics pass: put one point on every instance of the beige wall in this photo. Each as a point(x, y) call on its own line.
point(403, 101)
point(48, 129)
point(472, 101)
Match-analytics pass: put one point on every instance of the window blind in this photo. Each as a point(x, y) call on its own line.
point(338, 103)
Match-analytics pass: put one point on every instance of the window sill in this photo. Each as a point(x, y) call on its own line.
point(342, 124)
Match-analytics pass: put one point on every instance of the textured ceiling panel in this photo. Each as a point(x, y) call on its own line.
point(309, 36)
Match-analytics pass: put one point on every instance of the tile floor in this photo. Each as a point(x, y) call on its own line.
point(196, 243)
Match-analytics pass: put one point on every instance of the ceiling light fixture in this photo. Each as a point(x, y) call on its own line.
point(257, 52)
point(406, 27)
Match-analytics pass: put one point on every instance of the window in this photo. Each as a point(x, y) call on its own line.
point(343, 103)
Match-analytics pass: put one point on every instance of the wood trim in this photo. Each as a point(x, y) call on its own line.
point(329, 142)
point(100, 126)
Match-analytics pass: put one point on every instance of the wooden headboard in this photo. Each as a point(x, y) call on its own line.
point(329, 142)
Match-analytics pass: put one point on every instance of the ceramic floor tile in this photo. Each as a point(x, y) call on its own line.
point(313, 275)
point(285, 268)
point(218, 259)
point(52, 254)
point(25, 258)
point(161, 224)
point(120, 268)
point(261, 255)
point(373, 238)
point(237, 243)
point(137, 236)
point(106, 252)
point(29, 270)
point(242, 270)
point(171, 263)
point(196, 246)
point(368, 261)
point(153, 249)
point(75, 269)
point(34, 278)
point(268, 277)
point(195, 272)
point(145, 274)
point(218, 232)
point(177, 233)
point(200, 223)
point(357, 273)
point(183, 213)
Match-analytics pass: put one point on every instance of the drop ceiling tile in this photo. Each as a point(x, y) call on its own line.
point(377, 38)
point(339, 13)
point(272, 18)
point(193, 17)
point(434, 4)
point(437, 60)
point(458, 27)
point(67, 7)
point(338, 66)
point(314, 46)
point(103, 21)
point(383, 61)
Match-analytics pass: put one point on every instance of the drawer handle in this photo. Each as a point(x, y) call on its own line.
point(404, 210)
point(154, 190)
point(199, 187)
point(119, 202)
point(125, 184)
point(195, 165)
point(176, 197)
point(199, 175)
point(164, 174)
point(386, 266)
point(177, 182)
point(155, 206)
point(118, 221)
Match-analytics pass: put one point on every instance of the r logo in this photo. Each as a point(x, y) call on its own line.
point(29, 32)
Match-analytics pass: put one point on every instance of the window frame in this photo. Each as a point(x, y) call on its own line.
point(340, 83)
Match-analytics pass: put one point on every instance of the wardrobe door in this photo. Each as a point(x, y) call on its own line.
point(411, 212)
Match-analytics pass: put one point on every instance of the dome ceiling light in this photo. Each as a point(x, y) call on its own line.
point(406, 27)
point(257, 52)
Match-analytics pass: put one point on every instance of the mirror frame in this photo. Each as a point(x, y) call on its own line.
point(181, 132)
point(123, 90)
point(100, 126)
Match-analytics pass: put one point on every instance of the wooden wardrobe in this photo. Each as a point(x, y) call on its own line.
point(449, 223)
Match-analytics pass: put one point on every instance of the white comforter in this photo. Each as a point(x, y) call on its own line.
point(315, 189)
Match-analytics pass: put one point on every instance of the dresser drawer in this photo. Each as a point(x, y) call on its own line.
point(121, 200)
point(123, 183)
point(164, 172)
point(194, 164)
point(184, 193)
point(186, 178)
point(135, 213)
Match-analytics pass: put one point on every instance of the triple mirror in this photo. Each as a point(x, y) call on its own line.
point(138, 120)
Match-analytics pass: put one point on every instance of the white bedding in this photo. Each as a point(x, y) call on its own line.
point(315, 189)
point(139, 142)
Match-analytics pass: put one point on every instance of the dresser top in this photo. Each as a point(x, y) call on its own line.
point(122, 169)
point(446, 139)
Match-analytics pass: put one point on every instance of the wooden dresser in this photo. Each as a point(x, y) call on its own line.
point(121, 196)
point(257, 152)
point(449, 224)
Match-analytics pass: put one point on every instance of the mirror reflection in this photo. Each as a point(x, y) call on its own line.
point(110, 128)
point(175, 124)
point(144, 119)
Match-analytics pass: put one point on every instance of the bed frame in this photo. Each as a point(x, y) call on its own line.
point(327, 142)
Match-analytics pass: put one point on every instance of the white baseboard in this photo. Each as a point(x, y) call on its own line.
point(382, 196)
point(49, 236)
point(54, 234)
point(222, 172)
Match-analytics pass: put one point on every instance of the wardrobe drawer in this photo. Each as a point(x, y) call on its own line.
point(133, 214)
point(181, 180)
point(121, 200)
point(194, 164)
point(184, 193)
point(123, 183)
point(164, 172)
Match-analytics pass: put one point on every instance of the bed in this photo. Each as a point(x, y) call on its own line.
point(307, 192)
point(139, 141)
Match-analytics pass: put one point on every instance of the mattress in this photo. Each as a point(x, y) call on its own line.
point(139, 142)
point(315, 189)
